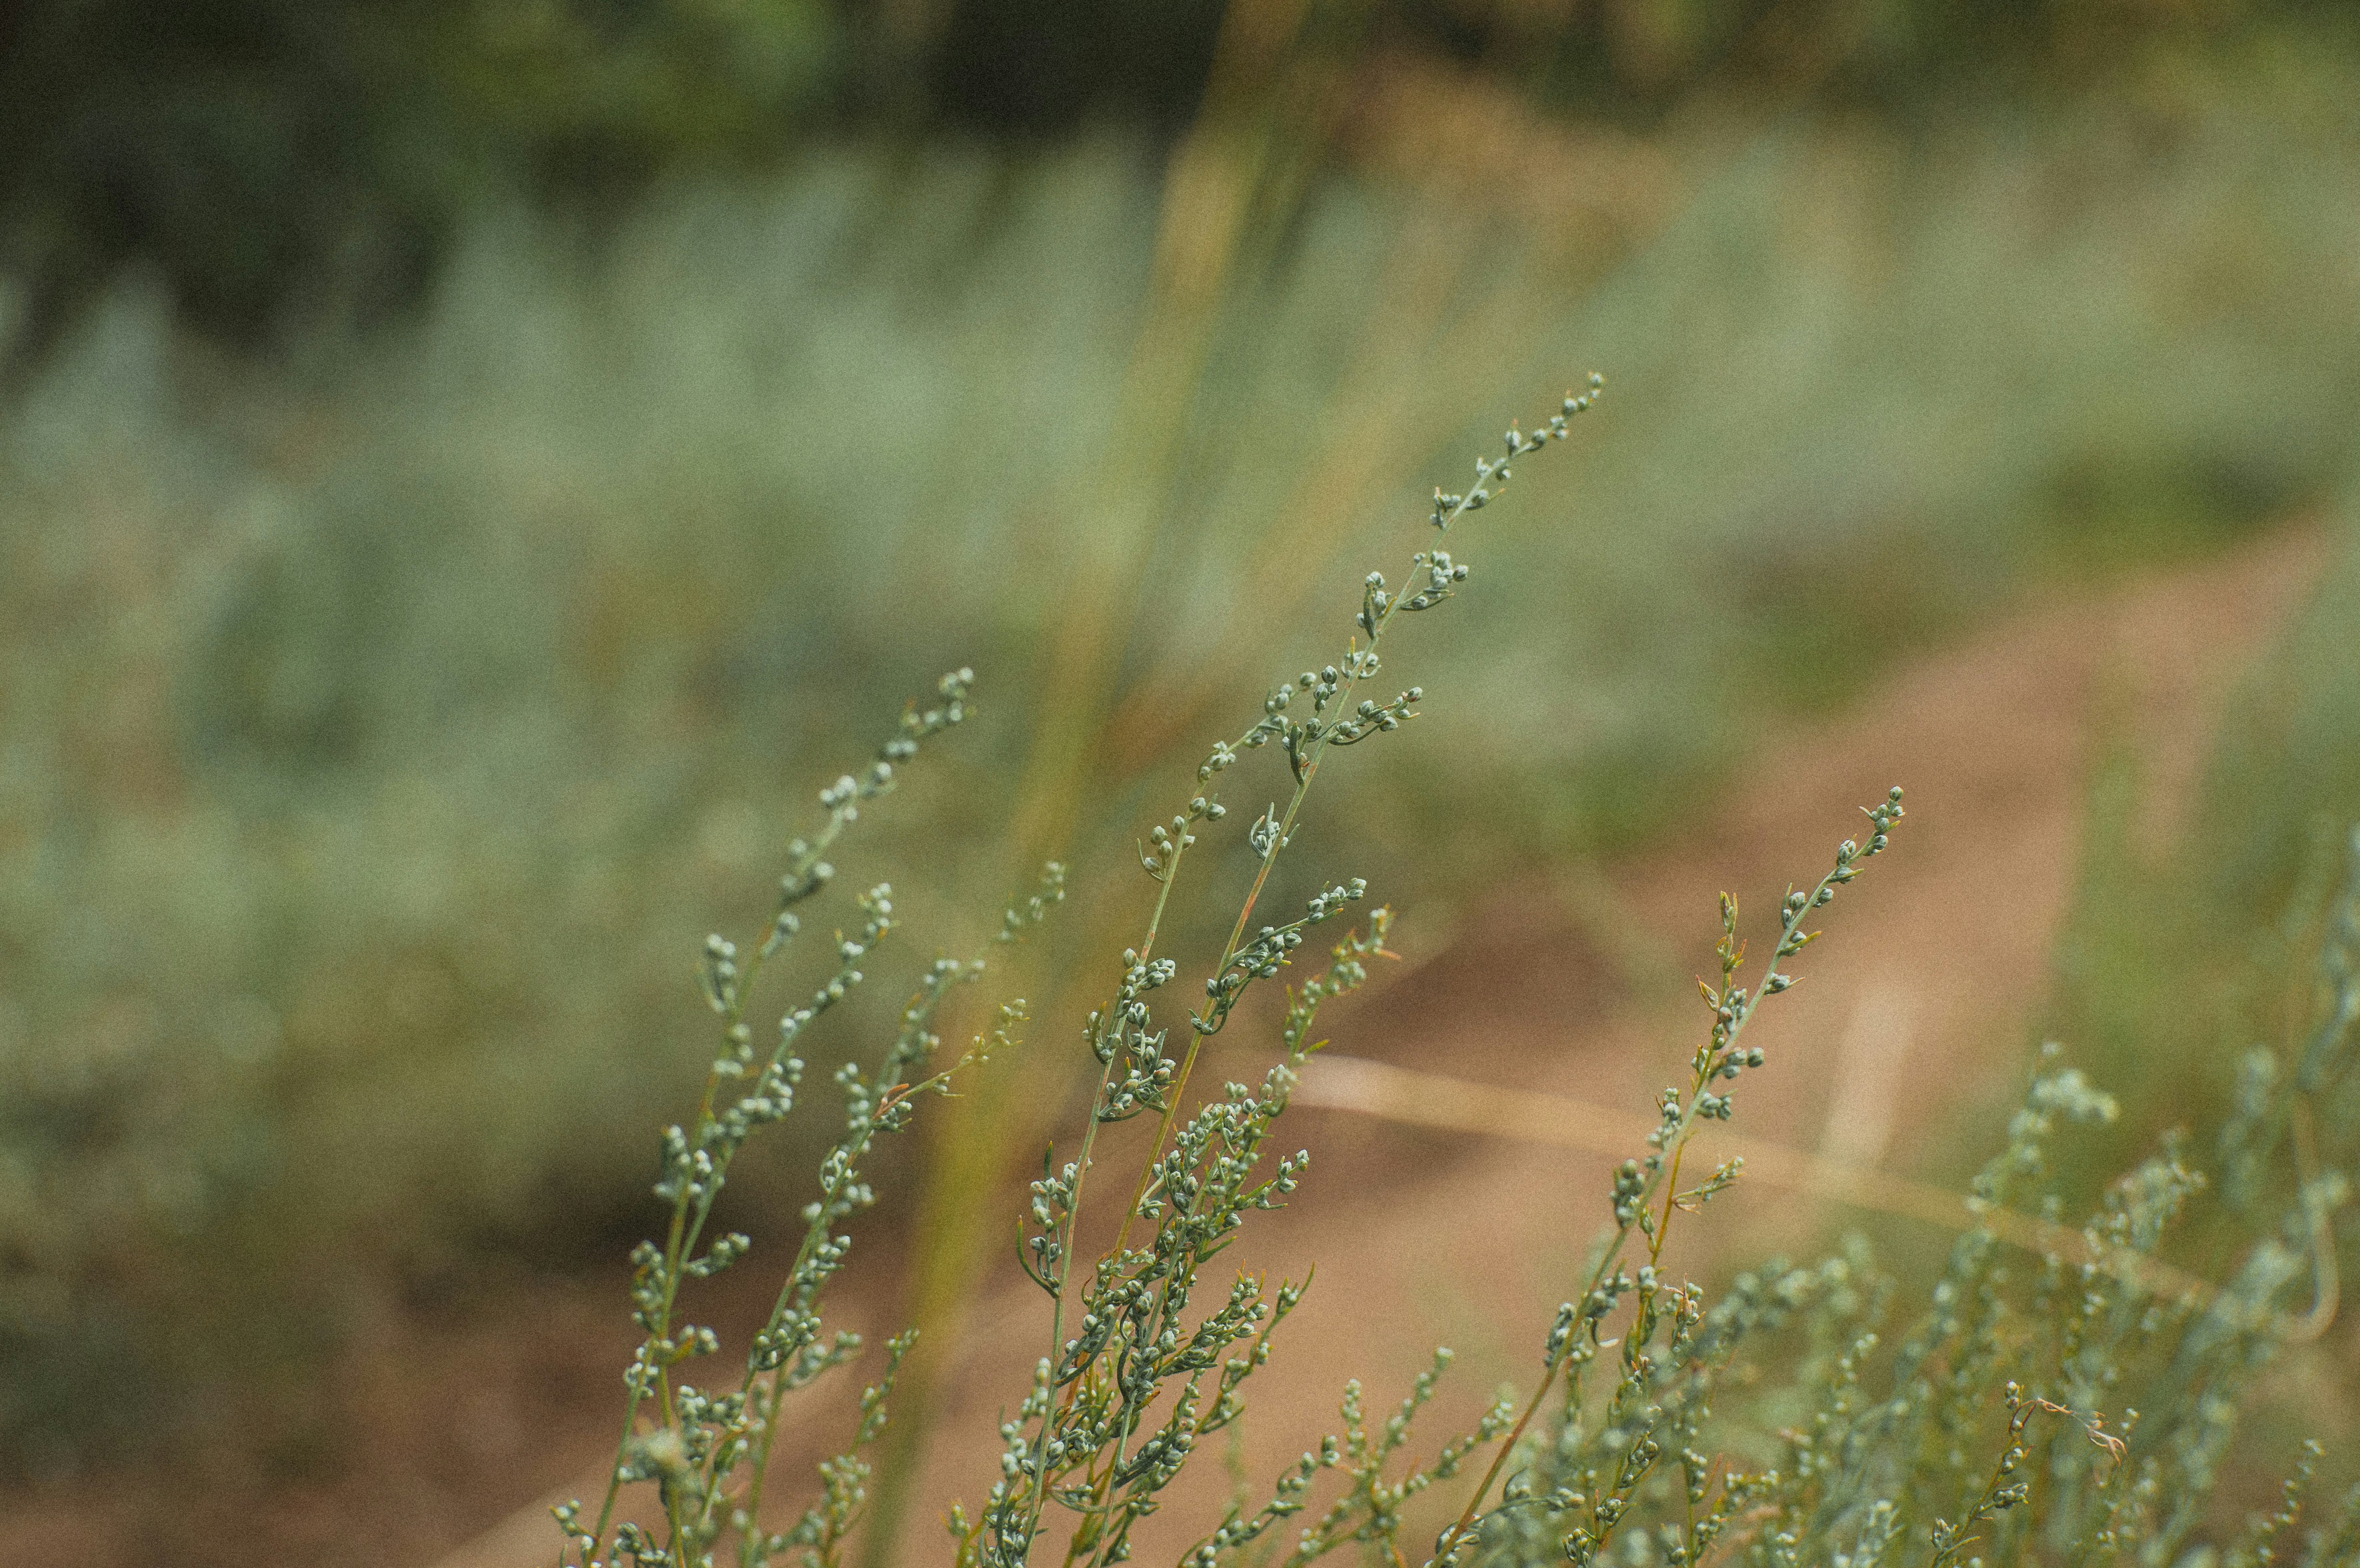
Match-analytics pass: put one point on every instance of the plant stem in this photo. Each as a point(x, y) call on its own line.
point(1664, 1178)
point(1081, 1174)
point(1359, 665)
point(680, 1238)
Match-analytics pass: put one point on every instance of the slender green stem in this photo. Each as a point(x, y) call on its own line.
point(680, 1238)
point(1081, 1174)
point(692, 1205)
point(918, 1017)
point(1662, 1178)
point(1359, 664)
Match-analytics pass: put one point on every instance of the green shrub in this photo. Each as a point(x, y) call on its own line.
point(2073, 1400)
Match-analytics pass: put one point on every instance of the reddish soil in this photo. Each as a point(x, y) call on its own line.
point(1917, 1004)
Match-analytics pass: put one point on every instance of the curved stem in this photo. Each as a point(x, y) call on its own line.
point(1074, 1207)
point(1359, 665)
point(1663, 1178)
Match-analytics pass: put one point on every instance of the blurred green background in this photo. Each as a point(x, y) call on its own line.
point(468, 466)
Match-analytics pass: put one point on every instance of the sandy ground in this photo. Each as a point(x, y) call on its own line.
point(1916, 1004)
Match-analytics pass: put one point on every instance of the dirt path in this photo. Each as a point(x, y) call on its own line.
point(1578, 986)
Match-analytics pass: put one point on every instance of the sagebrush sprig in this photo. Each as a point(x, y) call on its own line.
point(696, 1164)
point(1132, 1078)
point(706, 1439)
point(818, 1538)
point(1075, 1447)
point(1638, 1181)
point(1369, 1511)
point(2005, 1490)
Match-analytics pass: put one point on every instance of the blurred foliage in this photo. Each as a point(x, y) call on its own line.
point(2193, 950)
point(2187, 972)
point(275, 162)
point(258, 154)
